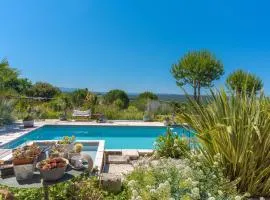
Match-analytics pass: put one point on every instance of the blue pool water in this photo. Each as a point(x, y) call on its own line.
point(116, 137)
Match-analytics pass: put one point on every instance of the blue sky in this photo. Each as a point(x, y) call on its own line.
point(132, 44)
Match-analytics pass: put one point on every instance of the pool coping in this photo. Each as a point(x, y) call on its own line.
point(70, 123)
point(25, 132)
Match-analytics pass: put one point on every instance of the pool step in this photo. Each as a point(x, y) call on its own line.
point(132, 154)
point(117, 159)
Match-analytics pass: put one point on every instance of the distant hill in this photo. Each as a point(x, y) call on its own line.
point(132, 96)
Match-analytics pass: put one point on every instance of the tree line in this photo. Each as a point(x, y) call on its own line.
point(199, 69)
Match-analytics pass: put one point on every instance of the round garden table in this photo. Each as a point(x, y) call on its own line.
point(37, 181)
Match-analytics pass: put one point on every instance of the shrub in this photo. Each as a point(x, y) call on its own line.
point(179, 179)
point(84, 99)
point(236, 127)
point(41, 89)
point(148, 95)
point(113, 112)
point(78, 97)
point(117, 95)
point(79, 188)
point(171, 145)
point(6, 111)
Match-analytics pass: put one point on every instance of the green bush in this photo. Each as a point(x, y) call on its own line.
point(41, 89)
point(115, 97)
point(148, 95)
point(171, 145)
point(6, 111)
point(187, 179)
point(79, 188)
point(114, 113)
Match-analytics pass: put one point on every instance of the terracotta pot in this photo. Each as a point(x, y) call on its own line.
point(22, 161)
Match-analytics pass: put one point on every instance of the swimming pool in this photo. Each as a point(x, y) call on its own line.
point(116, 137)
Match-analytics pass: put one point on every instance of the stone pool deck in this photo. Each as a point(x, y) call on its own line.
point(16, 130)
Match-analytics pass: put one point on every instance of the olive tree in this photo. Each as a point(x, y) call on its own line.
point(198, 69)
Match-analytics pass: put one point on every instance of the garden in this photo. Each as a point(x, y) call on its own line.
point(228, 160)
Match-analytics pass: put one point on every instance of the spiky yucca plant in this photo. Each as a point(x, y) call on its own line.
point(238, 128)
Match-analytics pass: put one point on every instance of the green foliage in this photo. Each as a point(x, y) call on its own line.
point(241, 80)
point(7, 74)
point(171, 145)
point(118, 97)
point(44, 90)
point(113, 112)
point(140, 104)
point(143, 99)
point(198, 69)
point(67, 140)
point(6, 111)
point(78, 97)
point(20, 85)
point(189, 179)
point(62, 103)
point(28, 194)
point(236, 127)
point(9, 79)
point(148, 95)
point(91, 100)
point(79, 188)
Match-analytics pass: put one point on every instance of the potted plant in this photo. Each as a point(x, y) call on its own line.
point(57, 150)
point(28, 121)
point(66, 144)
point(25, 155)
point(52, 169)
point(76, 150)
point(24, 160)
point(147, 117)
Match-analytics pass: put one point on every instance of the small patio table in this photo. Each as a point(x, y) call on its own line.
point(37, 181)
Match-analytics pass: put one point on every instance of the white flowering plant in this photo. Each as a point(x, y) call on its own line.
point(171, 145)
point(185, 179)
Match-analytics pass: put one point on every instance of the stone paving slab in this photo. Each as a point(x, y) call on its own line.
point(132, 154)
point(118, 169)
point(115, 159)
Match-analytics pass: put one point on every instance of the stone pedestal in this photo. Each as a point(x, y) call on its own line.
point(24, 172)
point(111, 182)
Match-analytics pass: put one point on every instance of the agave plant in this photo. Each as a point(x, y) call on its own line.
point(238, 128)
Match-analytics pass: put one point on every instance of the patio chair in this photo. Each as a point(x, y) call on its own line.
point(82, 114)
